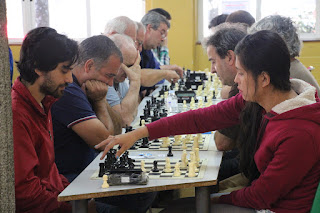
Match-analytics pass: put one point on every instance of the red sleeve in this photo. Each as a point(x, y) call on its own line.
point(222, 115)
point(288, 169)
point(32, 192)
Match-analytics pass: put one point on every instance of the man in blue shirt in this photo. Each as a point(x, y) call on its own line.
point(82, 117)
point(156, 27)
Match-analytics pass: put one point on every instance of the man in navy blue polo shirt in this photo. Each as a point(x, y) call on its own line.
point(82, 117)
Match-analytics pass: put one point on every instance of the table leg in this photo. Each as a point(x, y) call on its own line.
point(203, 199)
point(79, 206)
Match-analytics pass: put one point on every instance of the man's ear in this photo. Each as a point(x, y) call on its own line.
point(149, 27)
point(265, 79)
point(38, 72)
point(231, 57)
point(89, 65)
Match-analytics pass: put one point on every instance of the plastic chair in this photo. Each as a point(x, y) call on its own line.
point(316, 202)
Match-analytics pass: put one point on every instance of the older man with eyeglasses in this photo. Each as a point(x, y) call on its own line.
point(156, 26)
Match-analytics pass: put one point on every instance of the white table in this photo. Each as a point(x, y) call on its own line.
point(83, 187)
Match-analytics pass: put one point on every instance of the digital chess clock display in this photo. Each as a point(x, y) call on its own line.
point(183, 94)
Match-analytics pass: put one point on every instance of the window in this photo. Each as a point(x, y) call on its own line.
point(77, 19)
point(303, 13)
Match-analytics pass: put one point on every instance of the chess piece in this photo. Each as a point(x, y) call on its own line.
point(197, 156)
point(167, 166)
point(196, 142)
point(177, 171)
point(101, 169)
point(184, 144)
point(177, 140)
point(170, 151)
point(165, 142)
point(184, 104)
point(192, 172)
point(184, 160)
point(188, 138)
point(143, 122)
point(142, 166)
point(192, 156)
point(155, 166)
point(105, 182)
point(145, 143)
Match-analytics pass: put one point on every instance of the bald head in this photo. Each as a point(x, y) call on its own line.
point(121, 25)
point(140, 35)
point(129, 54)
point(126, 46)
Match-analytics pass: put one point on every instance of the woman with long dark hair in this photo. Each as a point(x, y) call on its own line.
point(280, 149)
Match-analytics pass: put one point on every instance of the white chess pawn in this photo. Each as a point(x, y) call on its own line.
point(142, 166)
point(192, 101)
point(184, 104)
point(192, 172)
point(200, 139)
point(105, 182)
point(188, 137)
point(166, 94)
point(184, 160)
point(143, 122)
point(196, 142)
point(184, 144)
point(165, 142)
point(197, 155)
point(177, 140)
point(168, 166)
point(176, 86)
point(177, 171)
point(192, 156)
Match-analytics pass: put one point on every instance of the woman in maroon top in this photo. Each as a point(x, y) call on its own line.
point(280, 120)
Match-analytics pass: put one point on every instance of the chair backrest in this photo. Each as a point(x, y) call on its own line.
point(316, 202)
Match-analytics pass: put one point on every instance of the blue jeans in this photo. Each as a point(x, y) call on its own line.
point(134, 202)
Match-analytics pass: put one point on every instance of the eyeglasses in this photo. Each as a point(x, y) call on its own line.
point(138, 43)
point(162, 32)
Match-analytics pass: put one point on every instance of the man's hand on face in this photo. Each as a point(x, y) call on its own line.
point(133, 72)
point(95, 90)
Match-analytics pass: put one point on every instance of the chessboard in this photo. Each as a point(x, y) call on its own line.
point(157, 145)
point(161, 165)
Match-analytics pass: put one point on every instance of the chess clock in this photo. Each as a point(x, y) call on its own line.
point(185, 95)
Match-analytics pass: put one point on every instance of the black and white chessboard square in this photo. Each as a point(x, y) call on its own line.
point(156, 145)
point(161, 166)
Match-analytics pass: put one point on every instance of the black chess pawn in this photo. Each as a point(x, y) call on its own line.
point(155, 166)
point(205, 99)
point(101, 169)
point(214, 95)
point(146, 112)
point(172, 86)
point(170, 151)
point(145, 143)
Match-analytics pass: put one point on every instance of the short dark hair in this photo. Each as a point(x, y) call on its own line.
point(241, 16)
point(43, 48)
point(162, 12)
point(99, 48)
point(266, 51)
point(225, 39)
point(218, 20)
